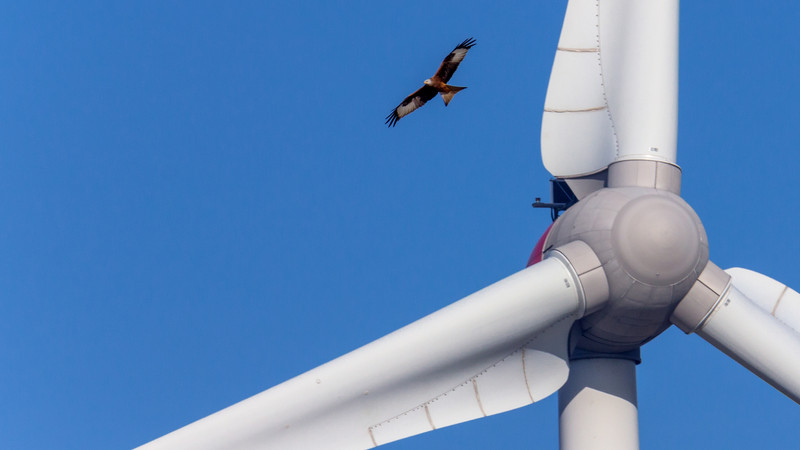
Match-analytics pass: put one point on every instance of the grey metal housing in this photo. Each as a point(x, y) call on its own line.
point(652, 248)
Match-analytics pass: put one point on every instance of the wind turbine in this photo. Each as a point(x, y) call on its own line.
point(618, 267)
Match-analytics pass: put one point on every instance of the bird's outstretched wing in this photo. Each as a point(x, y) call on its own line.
point(451, 61)
point(411, 103)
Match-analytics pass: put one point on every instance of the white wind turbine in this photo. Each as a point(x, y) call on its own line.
point(625, 262)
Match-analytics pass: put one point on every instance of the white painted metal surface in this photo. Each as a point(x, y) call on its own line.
point(613, 91)
point(498, 349)
point(770, 295)
point(757, 340)
point(597, 407)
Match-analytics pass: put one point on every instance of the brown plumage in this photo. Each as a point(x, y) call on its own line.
point(433, 85)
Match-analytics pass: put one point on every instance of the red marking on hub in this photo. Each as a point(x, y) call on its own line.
point(536, 254)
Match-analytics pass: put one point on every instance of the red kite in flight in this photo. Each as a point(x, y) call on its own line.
point(434, 84)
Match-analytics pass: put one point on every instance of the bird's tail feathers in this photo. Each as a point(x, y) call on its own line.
point(451, 91)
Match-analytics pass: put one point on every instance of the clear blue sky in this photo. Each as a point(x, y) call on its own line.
point(201, 200)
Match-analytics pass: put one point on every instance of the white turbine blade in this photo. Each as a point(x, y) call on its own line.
point(498, 349)
point(613, 91)
point(755, 339)
point(770, 295)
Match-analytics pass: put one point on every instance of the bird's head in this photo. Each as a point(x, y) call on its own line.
point(427, 82)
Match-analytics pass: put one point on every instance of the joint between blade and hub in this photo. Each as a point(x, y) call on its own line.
point(702, 299)
point(587, 272)
point(644, 172)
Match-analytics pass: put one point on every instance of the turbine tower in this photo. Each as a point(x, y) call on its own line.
point(623, 263)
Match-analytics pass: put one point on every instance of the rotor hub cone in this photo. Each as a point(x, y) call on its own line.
point(656, 240)
point(652, 247)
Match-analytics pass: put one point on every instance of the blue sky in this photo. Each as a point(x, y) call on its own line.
point(201, 200)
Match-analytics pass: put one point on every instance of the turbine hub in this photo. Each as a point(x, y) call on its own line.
point(656, 240)
point(652, 247)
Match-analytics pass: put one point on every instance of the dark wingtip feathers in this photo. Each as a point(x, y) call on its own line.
point(467, 44)
point(391, 119)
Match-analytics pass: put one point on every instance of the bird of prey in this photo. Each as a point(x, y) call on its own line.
point(434, 84)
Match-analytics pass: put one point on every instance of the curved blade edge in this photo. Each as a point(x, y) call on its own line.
point(396, 386)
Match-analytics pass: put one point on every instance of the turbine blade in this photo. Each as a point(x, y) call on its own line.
point(756, 339)
point(498, 349)
point(613, 91)
point(770, 295)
